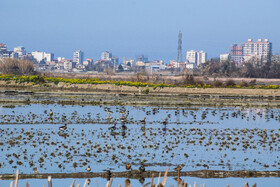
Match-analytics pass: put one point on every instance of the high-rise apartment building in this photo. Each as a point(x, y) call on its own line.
point(201, 57)
point(260, 50)
point(236, 53)
point(106, 56)
point(195, 58)
point(78, 57)
point(192, 56)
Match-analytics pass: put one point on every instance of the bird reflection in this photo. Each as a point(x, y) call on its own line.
point(142, 180)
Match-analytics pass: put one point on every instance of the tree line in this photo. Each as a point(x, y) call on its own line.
point(250, 69)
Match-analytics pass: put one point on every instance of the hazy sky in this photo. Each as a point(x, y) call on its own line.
point(131, 27)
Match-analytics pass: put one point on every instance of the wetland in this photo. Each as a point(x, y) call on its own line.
point(213, 143)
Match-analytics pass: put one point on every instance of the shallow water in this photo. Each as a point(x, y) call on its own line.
point(198, 137)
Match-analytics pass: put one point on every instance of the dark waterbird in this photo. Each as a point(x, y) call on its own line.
point(88, 168)
point(63, 128)
point(128, 166)
point(141, 168)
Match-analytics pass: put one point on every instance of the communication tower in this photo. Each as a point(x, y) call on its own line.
point(179, 50)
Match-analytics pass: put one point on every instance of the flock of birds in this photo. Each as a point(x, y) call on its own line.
point(163, 144)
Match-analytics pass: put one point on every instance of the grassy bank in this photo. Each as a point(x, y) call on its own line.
point(45, 81)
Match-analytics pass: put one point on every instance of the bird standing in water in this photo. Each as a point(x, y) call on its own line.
point(143, 121)
point(88, 168)
point(128, 166)
point(165, 121)
point(51, 113)
point(63, 128)
point(113, 127)
point(141, 168)
point(179, 168)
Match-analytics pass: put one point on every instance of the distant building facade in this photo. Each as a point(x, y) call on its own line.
point(20, 51)
point(106, 55)
point(191, 56)
point(195, 59)
point(236, 53)
point(4, 52)
point(78, 57)
point(259, 51)
point(201, 57)
point(224, 57)
point(142, 58)
point(68, 65)
point(42, 56)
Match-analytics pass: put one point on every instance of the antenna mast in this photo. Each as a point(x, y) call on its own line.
point(179, 50)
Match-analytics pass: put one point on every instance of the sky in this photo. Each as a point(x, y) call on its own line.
point(128, 28)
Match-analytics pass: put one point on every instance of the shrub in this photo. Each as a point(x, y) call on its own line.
point(244, 84)
point(147, 91)
point(189, 79)
point(229, 83)
point(218, 83)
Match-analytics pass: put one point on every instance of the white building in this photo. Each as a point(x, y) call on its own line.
point(106, 56)
point(20, 51)
point(190, 65)
point(224, 57)
point(78, 57)
point(4, 52)
point(195, 58)
point(259, 49)
point(68, 65)
point(201, 57)
point(39, 56)
point(192, 56)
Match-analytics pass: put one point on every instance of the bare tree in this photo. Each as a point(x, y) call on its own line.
point(17, 67)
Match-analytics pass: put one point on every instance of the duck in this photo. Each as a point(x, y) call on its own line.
point(165, 121)
point(109, 112)
point(88, 168)
point(51, 113)
point(128, 166)
point(124, 126)
point(127, 182)
point(113, 127)
point(142, 168)
point(123, 112)
point(124, 118)
point(63, 128)
point(179, 168)
point(108, 174)
point(143, 121)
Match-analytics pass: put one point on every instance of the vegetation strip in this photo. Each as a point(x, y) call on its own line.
point(148, 174)
point(36, 79)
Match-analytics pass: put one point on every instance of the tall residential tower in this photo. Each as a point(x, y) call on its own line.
point(78, 57)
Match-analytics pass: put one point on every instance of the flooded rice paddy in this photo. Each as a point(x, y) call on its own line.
point(200, 138)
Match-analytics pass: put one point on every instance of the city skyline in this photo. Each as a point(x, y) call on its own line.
point(211, 27)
